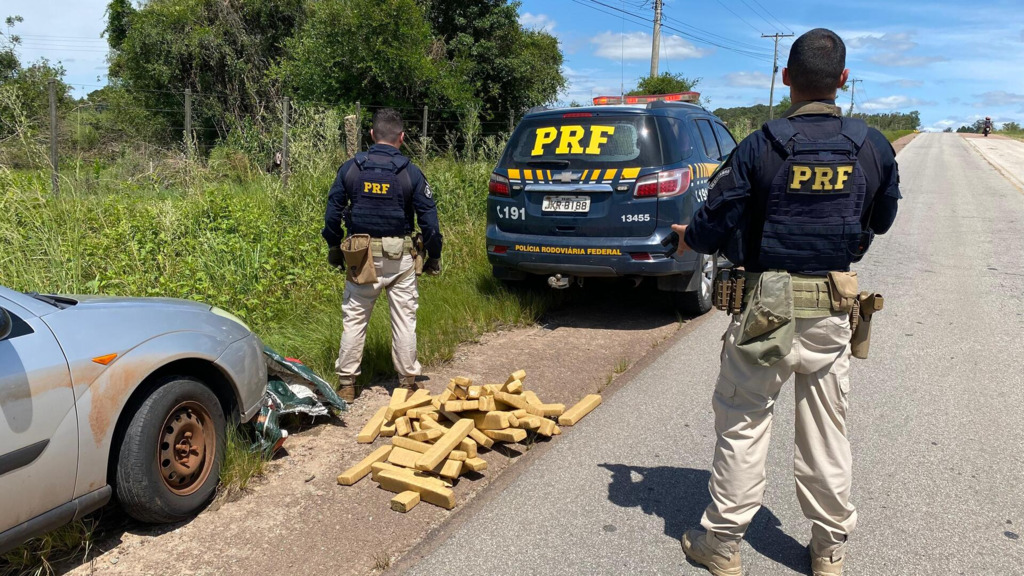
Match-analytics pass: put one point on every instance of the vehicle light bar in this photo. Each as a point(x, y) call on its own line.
point(647, 98)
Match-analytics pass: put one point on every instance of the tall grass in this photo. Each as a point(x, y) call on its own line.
point(245, 245)
point(894, 135)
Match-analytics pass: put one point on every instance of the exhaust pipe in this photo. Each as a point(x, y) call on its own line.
point(559, 282)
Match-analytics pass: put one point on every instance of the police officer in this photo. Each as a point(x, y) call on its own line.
point(795, 201)
point(380, 193)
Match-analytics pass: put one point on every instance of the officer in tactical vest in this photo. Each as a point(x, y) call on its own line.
point(794, 205)
point(379, 195)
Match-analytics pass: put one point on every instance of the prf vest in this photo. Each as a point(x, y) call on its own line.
point(381, 193)
point(813, 209)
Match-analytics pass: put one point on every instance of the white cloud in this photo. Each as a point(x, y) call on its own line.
point(537, 21)
point(891, 49)
point(999, 98)
point(750, 80)
point(891, 103)
point(906, 83)
point(637, 46)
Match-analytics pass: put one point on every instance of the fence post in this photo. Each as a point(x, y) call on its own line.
point(424, 132)
point(54, 167)
point(188, 121)
point(359, 128)
point(511, 121)
point(284, 145)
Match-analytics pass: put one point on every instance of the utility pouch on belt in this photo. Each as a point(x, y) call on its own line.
point(766, 325)
point(727, 295)
point(356, 249)
point(392, 247)
point(842, 290)
point(417, 252)
point(867, 305)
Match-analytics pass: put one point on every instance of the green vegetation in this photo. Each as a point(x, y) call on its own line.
point(744, 120)
point(894, 135)
point(666, 83)
point(40, 556)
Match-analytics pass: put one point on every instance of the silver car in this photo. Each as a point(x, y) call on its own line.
point(101, 395)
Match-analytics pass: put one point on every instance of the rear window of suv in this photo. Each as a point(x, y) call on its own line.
point(593, 142)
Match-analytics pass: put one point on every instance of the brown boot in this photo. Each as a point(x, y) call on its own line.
point(408, 382)
point(827, 563)
point(347, 389)
point(721, 557)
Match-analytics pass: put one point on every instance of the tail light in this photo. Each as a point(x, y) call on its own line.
point(498, 185)
point(663, 184)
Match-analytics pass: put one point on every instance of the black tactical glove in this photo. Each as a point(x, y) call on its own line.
point(432, 266)
point(335, 258)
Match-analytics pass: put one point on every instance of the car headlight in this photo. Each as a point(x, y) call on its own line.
point(225, 314)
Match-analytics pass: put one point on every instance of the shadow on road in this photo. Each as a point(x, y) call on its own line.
point(679, 495)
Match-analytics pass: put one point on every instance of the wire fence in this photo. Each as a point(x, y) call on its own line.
point(76, 133)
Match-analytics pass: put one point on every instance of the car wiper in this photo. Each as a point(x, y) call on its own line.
point(552, 163)
point(47, 299)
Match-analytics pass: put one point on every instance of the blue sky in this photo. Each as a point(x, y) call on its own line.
point(954, 61)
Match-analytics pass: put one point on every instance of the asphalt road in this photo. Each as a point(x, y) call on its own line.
point(936, 418)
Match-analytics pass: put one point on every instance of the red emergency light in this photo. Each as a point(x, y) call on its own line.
point(647, 98)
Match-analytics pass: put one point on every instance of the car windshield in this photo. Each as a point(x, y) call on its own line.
point(54, 301)
point(582, 140)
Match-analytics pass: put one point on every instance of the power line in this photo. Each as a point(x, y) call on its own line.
point(748, 53)
point(739, 17)
point(758, 14)
point(779, 22)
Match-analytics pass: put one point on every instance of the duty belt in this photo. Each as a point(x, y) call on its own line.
point(810, 294)
point(377, 246)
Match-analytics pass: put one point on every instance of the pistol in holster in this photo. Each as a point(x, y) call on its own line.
point(860, 321)
point(727, 295)
point(417, 252)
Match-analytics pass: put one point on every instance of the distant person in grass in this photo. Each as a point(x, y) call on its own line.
point(794, 205)
point(381, 194)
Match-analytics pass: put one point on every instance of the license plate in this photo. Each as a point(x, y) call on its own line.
point(566, 204)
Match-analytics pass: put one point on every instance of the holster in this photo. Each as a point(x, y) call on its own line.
point(356, 249)
point(417, 252)
point(860, 321)
point(842, 290)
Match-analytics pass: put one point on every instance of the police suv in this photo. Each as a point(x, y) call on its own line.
point(593, 192)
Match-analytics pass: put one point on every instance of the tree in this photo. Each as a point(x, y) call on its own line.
point(508, 69)
point(25, 102)
point(221, 50)
point(947, 129)
point(665, 83)
point(380, 52)
point(1010, 127)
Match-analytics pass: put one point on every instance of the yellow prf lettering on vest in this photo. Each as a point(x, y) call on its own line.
point(376, 187)
point(842, 175)
point(798, 176)
point(822, 178)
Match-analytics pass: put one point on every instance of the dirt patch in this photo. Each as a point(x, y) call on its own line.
point(297, 518)
point(901, 143)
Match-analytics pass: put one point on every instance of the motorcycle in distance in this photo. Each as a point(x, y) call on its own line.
point(988, 127)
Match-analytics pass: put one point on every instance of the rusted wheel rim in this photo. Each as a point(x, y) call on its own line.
point(187, 447)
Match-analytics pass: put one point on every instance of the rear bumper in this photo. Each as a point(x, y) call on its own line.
point(587, 256)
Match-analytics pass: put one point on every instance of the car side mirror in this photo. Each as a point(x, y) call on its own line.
point(6, 324)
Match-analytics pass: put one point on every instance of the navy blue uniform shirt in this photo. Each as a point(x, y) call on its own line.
point(422, 208)
point(738, 190)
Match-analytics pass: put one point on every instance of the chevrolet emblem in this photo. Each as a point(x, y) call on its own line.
point(565, 177)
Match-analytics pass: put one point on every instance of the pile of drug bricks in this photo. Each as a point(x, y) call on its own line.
point(436, 439)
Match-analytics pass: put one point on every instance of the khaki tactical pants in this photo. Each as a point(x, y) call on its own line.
point(744, 400)
point(398, 278)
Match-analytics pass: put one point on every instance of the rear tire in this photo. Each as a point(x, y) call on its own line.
point(698, 302)
point(171, 455)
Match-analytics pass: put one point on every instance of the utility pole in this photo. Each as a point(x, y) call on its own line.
point(853, 90)
point(188, 121)
point(54, 162)
point(656, 43)
point(775, 70)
